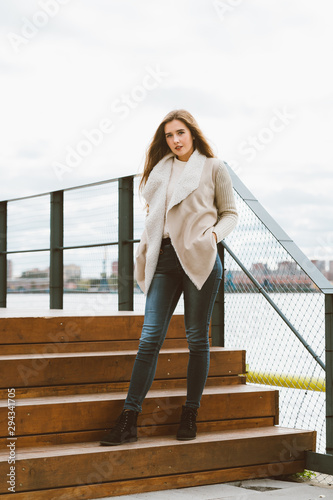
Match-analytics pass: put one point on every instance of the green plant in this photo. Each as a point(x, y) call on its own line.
point(306, 474)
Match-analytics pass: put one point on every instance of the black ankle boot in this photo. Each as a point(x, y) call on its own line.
point(124, 430)
point(187, 429)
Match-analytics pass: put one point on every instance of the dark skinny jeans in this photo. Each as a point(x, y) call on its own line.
point(168, 283)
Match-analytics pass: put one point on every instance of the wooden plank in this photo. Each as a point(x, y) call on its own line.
point(110, 345)
point(115, 488)
point(158, 430)
point(55, 467)
point(66, 390)
point(79, 328)
point(99, 411)
point(79, 368)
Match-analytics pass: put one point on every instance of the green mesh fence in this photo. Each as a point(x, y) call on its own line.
point(275, 356)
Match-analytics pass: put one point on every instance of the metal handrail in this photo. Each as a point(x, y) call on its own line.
point(73, 188)
point(280, 235)
point(275, 307)
point(7, 252)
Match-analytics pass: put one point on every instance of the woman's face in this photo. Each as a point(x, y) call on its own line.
point(179, 139)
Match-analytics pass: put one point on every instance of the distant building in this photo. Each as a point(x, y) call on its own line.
point(330, 270)
point(9, 269)
point(320, 264)
point(287, 267)
point(72, 272)
point(285, 277)
point(34, 280)
point(115, 268)
point(326, 270)
point(36, 273)
point(260, 268)
point(72, 275)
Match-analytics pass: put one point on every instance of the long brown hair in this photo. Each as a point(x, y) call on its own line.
point(158, 147)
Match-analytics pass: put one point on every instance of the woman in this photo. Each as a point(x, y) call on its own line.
point(191, 208)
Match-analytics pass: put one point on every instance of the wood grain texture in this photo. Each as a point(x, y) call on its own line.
point(99, 411)
point(69, 465)
point(33, 370)
point(71, 375)
point(79, 328)
point(107, 345)
point(38, 440)
point(97, 388)
point(115, 488)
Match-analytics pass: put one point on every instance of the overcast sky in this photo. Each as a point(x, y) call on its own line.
point(85, 83)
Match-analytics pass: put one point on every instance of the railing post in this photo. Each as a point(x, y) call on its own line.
point(125, 244)
point(329, 371)
point(56, 250)
point(218, 311)
point(3, 254)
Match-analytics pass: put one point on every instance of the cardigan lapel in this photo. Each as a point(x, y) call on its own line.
point(158, 178)
point(154, 193)
point(189, 179)
point(188, 182)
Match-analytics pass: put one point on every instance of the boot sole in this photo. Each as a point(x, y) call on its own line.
point(185, 439)
point(109, 443)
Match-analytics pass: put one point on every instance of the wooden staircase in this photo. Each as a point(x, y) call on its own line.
point(70, 376)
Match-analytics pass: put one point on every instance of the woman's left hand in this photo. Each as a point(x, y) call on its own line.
point(215, 237)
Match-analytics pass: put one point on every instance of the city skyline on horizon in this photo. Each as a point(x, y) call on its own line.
point(324, 266)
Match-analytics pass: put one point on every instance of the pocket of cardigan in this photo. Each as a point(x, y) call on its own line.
point(210, 230)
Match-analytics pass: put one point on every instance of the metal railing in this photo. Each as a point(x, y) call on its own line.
point(279, 309)
point(275, 303)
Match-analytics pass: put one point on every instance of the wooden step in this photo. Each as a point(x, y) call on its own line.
point(103, 490)
point(52, 439)
point(77, 334)
point(66, 329)
point(108, 345)
point(34, 370)
point(89, 471)
point(64, 419)
point(67, 390)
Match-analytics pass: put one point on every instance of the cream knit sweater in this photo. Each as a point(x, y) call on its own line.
point(224, 199)
point(225, 203)
point(177, 169)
